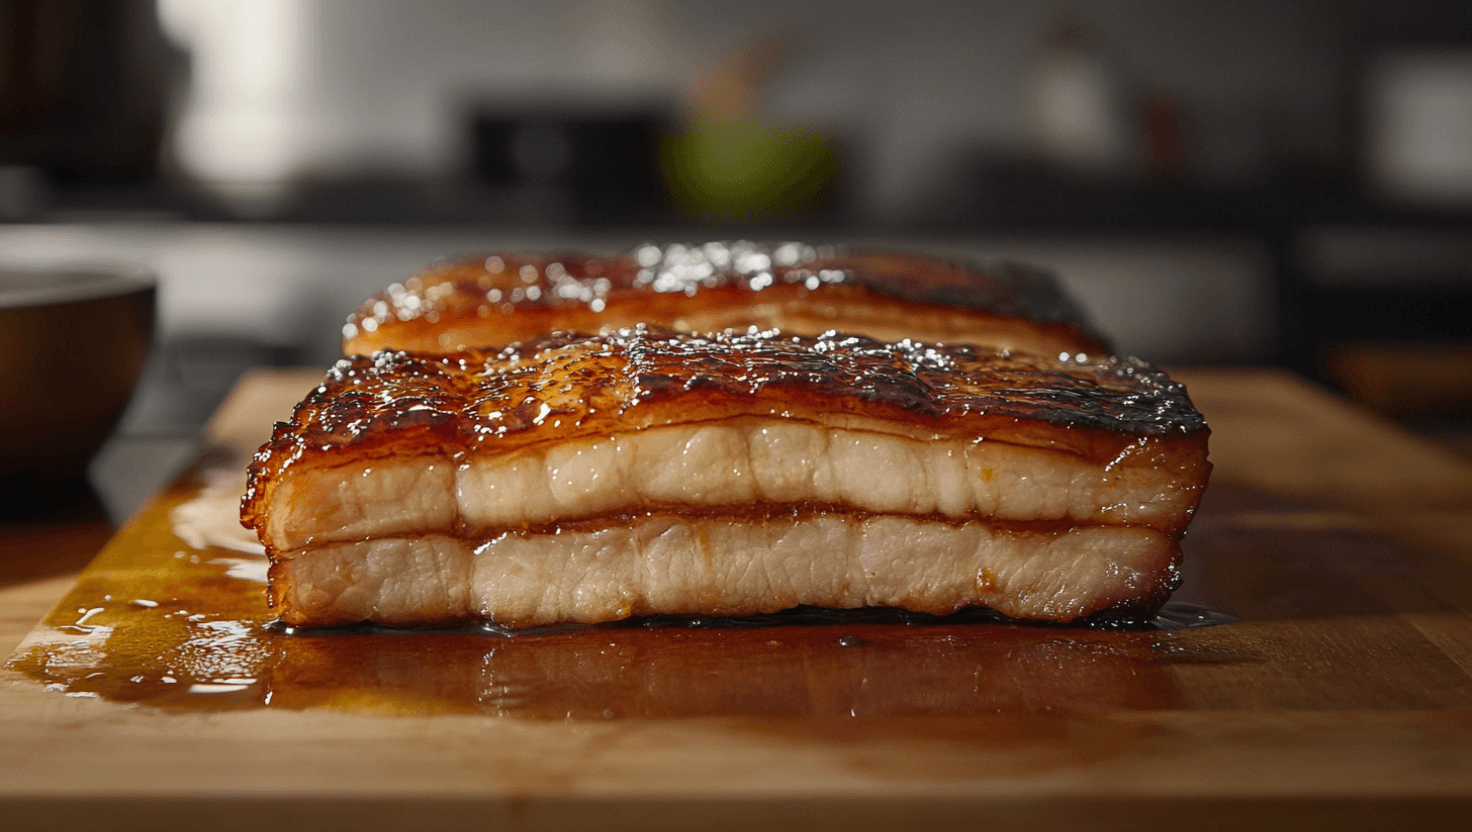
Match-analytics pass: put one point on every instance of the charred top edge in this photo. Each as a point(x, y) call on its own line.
point(568, 385)
point(462, 287)
point(645, 365)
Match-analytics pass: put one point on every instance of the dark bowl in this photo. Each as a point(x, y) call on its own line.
point(72, 345)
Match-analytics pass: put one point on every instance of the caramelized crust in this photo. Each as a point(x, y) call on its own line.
point(398, 406)
point(488, 302)
point(592, 477)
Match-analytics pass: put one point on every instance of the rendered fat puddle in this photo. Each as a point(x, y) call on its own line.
point(199, 637)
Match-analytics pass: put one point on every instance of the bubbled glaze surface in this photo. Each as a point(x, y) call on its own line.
point(488, 301)
point(573, 385)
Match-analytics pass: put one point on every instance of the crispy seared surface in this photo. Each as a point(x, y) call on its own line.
point(491, 301)
point(670, 471)
point(400, 405)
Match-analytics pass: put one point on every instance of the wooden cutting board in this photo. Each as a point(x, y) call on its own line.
point(1341, 697)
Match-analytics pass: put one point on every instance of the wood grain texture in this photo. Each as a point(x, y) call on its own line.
point(1342, 698)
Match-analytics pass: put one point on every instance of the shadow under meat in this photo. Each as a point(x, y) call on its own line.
point(865, 670)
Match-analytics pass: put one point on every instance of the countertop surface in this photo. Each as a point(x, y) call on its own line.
point(1340, 697)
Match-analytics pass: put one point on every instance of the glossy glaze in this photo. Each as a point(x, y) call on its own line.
point(418, 419)
point(569, 385)
point(490, 301)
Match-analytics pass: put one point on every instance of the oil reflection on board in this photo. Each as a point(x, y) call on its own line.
point(166, 624)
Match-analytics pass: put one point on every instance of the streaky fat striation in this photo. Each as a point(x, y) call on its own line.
point(588, 478)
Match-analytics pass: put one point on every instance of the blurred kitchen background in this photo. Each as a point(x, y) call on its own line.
point(1284, 182)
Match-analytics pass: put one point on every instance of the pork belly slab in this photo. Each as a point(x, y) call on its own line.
point(492, 301)
point(587, 478)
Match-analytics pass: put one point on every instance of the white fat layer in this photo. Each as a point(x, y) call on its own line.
point(715, 566)
point(726, 465)
point(394, 581)
point(386, 496)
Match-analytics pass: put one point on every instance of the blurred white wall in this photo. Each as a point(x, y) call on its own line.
point(336, 87)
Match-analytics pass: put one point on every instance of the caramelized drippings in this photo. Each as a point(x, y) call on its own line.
point(871, 664)
point(159, 623)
